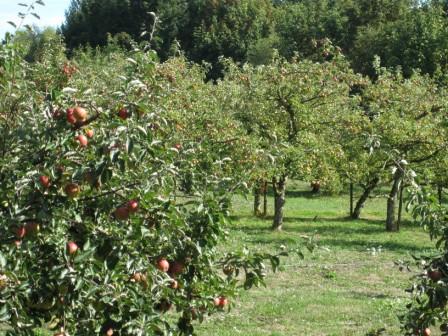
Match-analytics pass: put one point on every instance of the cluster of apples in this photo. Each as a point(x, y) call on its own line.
point(76, 116)
point(173, 269)
point(27, 230)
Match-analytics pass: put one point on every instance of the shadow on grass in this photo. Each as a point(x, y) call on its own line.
point(309, 194)
point(331, 233)
point(324, 224)
point(346, 244)
point(376, 296)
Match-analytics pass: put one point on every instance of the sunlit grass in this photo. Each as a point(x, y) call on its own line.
point(348, 286)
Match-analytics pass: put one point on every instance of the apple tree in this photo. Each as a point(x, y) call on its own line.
point(406, 128)
point(114, 196)
point(293, 110)
point(427, 309)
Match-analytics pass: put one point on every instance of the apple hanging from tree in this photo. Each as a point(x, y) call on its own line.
point(72, 190)
point(122, 213)
point(90, 133)
point(82, 139)
point(174, 284)
point(20, 232)
point(123, 113)
point(163, 265)
point(72, 247)
point(132, 206)
point(164, 305)
point(44, 181)
point(32, 228)
point(80, 114)
point(435, 275)
point(220, 302)
point(176, 268)
point(70, 114)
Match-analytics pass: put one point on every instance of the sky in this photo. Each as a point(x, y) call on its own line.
point(52, 14)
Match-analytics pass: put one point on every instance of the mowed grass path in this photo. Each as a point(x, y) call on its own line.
point(348, 286)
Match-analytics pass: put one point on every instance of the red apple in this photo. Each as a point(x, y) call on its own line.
point(71, 116)
point(122, 213)
point(123, 113)
point(82, 139)
point(427, 332)
point(176, 268)
point(224, 302)
point(32, 228)
point(44, 181)
point(20, 232)
point(164, 305)
point(72, 190)
point(110, 332)
point(137, 277)
point(435, 275)
point(178, 146)
point(90, 133)
point(132, 206)
point(72, 247)
point(80, 114)
point(220, 302)
point(18, 243)
point(163, 265)
point(174, 284)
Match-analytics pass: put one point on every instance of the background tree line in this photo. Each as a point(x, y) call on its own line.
point(411, 34)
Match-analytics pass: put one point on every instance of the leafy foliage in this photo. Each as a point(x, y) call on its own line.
point(114, 195)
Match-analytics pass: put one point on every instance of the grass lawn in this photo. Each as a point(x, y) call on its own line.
point(348, 286)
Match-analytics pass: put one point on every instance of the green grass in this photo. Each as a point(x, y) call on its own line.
point(348, 286)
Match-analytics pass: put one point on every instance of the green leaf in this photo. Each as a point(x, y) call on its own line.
point(2, 261)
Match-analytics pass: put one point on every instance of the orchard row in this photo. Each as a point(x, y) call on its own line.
point(117, 174)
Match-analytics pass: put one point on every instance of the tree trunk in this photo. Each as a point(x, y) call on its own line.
point(279, 186)
point(257, 198)
point(391, 224)
point(364, 196)
point(351, 199)
point(400, 206)
point(265, 198)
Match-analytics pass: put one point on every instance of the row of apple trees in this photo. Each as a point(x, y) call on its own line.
point(318, 121)
point(116, 179)
point(117, 175)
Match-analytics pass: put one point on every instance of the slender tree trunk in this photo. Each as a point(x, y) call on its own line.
point(440, 193)
point(351, 199)
point(391, 223)
point(265, 198)
point(364, 196)
point(257, 198)
point(279, 186)
point(400, 206)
